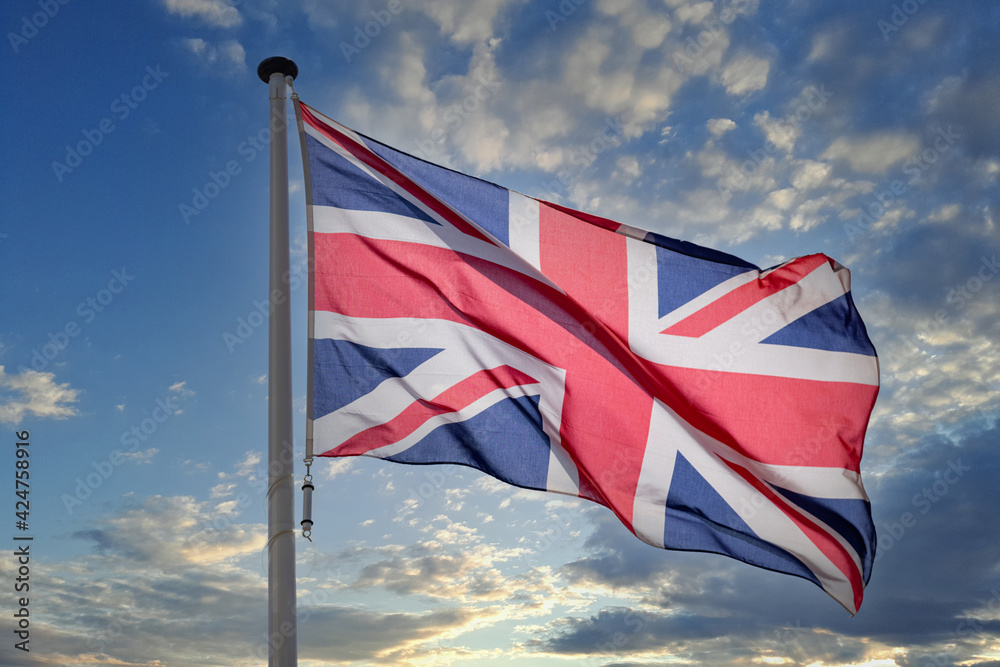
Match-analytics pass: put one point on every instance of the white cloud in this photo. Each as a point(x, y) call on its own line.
point(945, 213)
point(336, 467)
point(714, 162)
point(466, 22)
point(943, 95)
point(937, 372)
point(706, 58)
point(246, 467)
point(250, 461)
point(629, 166)
point(196, 466)
point(747, 224)
point(181, 389)
point(706, 206)
point(987, 170)
point(782, 199)
point(141, 457)
point(322, 14)
point(828, 43)
point(738, 174)
point(112, 594)
point(651, 101)
point(548, 160)
point(873, 153)
point(745, 73)
point(807, 216)
point(233, 52)
point(763, 218)
point(614, 7)
point(612, 85)
point(648, 28)
point(481, 122)
point(227, 56)
point(35, 393)
point(216, 13)
point(892, 219)
point(778, 132)
point(541, 125)
point(222, 490)
point(719, 126)
point(480, 141)
point(810, 174)
point(174, 531)
point(585, 74)
point(454, 116)
point(925, 34)
point(407, 74)
point(481, 137)
point(650, 31)
point(693, 13)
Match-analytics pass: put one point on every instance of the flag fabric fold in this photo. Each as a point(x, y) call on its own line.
point(711, 405)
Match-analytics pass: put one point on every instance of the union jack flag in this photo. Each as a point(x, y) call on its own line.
point(712, 406)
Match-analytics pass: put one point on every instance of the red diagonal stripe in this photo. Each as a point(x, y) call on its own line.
point(453, 399)
point(595, 220)
point(366, 155)
point(826, 543)
point(730, 305)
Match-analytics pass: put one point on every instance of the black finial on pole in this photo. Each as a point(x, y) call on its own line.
point(278, 64)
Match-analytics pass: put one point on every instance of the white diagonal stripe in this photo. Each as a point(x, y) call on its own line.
point(523, 230)
point(766, 520)
point(769, 315)
point(466, 350)
point(740, 350)
point(468, 412)
point(394, 227)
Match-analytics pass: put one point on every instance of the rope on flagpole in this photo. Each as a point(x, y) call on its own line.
point(276, 536)
point(275, 483)
point(307, 485)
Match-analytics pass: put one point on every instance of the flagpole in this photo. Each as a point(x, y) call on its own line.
point(281, 630)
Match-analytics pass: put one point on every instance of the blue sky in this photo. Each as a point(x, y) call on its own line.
point(863, 130)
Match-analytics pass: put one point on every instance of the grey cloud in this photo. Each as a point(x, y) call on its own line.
point(930, 575)
point(341, 634)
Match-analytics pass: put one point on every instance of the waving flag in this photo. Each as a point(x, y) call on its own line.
point(711, 405)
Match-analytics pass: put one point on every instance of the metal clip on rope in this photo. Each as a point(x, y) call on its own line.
point(307, 502)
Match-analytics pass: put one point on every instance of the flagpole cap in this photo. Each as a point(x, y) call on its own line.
point(276, 64)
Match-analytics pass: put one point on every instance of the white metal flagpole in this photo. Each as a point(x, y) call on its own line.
point(281, 630)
